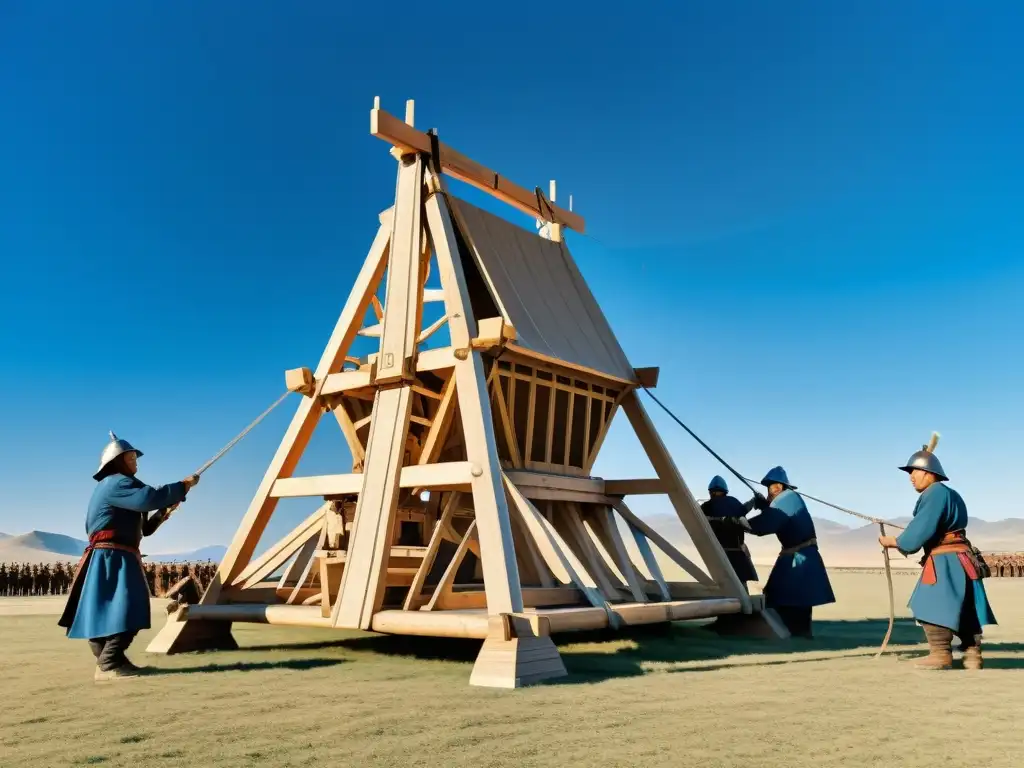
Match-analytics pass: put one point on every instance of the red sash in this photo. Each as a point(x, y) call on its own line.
point(954, 542)
point(99, 540)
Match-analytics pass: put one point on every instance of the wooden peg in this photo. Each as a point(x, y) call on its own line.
point(551, 190)
point(300, 380)
point(410, 111)
point(376, 102)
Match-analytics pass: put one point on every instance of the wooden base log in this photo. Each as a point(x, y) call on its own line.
point(764, 623)
point(183, 635)
point(518, 651)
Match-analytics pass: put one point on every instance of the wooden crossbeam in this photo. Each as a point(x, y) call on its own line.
point(280, 552)
point(428, 558)
point(662, 543)
point(448, 578)
point(394, 131)
point(452, 475)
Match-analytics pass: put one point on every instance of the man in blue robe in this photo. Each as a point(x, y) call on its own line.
point(108, 602)
point(949, 598)
point(798, 581)
point(721, 510)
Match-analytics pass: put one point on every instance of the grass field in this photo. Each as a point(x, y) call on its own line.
point(669, 696)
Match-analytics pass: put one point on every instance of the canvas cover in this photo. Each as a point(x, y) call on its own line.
point(536, 286)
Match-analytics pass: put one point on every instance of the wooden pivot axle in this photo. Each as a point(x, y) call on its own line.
point(469, 509)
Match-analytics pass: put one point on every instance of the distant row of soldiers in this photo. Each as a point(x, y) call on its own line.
point(33, 579)
point(1006, 564)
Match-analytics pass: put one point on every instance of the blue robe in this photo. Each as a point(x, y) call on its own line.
point(940, 510)
point(114, 594)
point(797, 580)
point(730, 536)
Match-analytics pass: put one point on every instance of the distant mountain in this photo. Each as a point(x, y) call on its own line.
point(4, 536)
point(54, 543)
point(45, 547)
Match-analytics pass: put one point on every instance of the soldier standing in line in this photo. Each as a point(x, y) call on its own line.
point(949, 598)
point(109, 602)
point(3, 579)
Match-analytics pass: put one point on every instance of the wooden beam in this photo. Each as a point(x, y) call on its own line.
point(428, 559)
point(304, 422)
point(647, 377)
point(345, 381)
point(363, 580)
point(548, 481)
point(392, 130)
point(498, 560)
point(556, 553)
point(533, 597)
point(280, 552)
point(451, 475)
point(396, 360)
point(685, 505)
point(607, 531)
point(448, 578)
point(662, 543)
point(634, 487)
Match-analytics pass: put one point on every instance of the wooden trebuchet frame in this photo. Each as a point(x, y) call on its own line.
point(513, 540)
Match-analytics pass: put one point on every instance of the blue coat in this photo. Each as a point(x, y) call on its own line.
point(797, 580)
point(730, 536)
point(114, 595)
point(940, 510)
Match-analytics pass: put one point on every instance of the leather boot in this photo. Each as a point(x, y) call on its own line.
point(972, 654)
point(940, 654)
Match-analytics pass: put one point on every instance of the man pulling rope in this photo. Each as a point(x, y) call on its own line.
point(108, 603)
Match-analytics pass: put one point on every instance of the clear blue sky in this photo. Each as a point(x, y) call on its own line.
point(809, 217)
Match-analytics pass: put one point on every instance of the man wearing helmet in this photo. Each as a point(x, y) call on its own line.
point(108, 602)
point(720, 510)
point(798, 581)
point(949, 597)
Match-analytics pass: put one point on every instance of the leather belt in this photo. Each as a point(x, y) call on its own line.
point(798, 547)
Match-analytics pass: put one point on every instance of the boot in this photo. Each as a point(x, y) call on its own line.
point(117, 673)
point(940, 655)
point(972, 653)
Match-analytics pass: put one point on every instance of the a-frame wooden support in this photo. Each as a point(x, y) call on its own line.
point(516, 541)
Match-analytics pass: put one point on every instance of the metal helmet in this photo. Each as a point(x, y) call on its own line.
point(927, 461)
point(718, 484)
point(777, 475)
point(113, 449)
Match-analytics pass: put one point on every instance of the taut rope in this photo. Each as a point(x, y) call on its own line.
point(747, 482)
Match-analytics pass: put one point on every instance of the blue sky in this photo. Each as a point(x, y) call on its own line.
point(808, 217)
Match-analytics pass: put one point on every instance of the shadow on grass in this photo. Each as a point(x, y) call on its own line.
point(631, 649)
point(246, 666)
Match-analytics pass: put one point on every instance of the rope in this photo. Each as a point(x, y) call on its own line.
point(243, 433)
point(747, 482)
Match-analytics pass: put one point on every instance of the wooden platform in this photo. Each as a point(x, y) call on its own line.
point(471, 622)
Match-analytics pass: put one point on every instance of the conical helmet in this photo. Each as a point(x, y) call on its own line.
point(777, 475)
point(718, 484)
point(926, 460)
point(112, 450)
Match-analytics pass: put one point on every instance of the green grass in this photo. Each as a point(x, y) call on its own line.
point(670, 696)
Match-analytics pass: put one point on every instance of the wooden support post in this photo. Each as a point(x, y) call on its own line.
point(365, 575)
point(501, 572)
point(362, 586)
point(436, 536)
point(292, 445)
point(685, 505)
point(518, 651)
point(608, 532)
